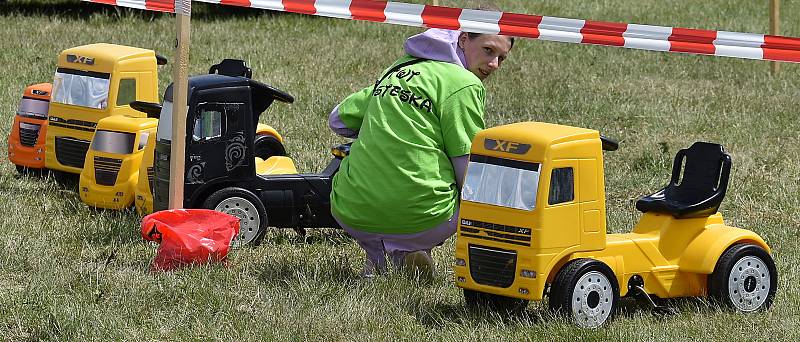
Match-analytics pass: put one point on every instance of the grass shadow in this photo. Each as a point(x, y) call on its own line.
point(33, 174)
point(73, 10)
point(286, 270)
point(76, 10)
point(65, 180)
point(436, 315)
point(311, 236)
point(121, 227)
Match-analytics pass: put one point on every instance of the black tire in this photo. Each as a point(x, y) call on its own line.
point(25, 171)
point(247, 207)
point(586, 291)
point(477, 300)
point(266, 146)
point(750, 272)
point(65, 179)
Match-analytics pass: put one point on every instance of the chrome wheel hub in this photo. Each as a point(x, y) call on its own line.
point(592, 300)
point(249, 221)
point(749, 284)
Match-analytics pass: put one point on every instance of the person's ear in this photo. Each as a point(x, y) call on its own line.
point(462, 38)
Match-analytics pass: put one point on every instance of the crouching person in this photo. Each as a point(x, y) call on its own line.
point(397, 193)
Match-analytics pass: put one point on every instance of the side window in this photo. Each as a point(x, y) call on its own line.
point(562, 186)
point(127, 91)
point(143, 140)
point(208, 123)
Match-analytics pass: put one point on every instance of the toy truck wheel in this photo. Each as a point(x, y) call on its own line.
point(65, 179)
point(247, 207)
point(744, 279)
point(586, 291)
point(24, 171)
point(494, 302)
point(266, 146)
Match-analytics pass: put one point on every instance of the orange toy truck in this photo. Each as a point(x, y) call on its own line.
point(26, 140)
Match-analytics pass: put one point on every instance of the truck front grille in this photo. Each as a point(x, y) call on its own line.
point(106, 170)
point(495, 232)
point(492, 266)
point(28, 134)
point(71, 151)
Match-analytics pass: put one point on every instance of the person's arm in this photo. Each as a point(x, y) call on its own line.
point(461, 118)
point(460, 168)
point(347, 116)
point(338, 127)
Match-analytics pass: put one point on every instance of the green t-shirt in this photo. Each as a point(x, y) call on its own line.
point(398, 178)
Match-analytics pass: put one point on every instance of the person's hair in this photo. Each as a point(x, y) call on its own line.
point(473, 35)
point(485, 5)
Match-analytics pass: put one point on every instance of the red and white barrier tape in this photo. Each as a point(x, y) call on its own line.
point(645, 37)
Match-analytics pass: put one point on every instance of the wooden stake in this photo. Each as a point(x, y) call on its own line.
point(180, 80)
point(774, 27)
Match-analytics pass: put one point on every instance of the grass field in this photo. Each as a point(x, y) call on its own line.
point(68, 272)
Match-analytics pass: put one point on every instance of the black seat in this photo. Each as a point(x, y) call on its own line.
point(231, 67)
point(701, 189)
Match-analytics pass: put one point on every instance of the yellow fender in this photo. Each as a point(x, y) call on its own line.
point(263, 129)
point(562, 258)
point(703, 252)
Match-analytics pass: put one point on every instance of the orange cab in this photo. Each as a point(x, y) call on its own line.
point(26, 141)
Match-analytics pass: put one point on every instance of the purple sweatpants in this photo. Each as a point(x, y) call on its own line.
point(397, 246)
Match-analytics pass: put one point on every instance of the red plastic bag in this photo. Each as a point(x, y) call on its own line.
point(189, 236)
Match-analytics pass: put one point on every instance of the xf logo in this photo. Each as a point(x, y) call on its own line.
point(506, 146)
point(80, 59)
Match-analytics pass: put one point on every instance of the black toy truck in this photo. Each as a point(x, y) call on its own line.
point(221, 164)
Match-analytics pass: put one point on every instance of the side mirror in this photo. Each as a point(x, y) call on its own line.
point(161, 60)
point(609, 144)
point(153, 110)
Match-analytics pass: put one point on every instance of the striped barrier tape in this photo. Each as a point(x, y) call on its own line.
point(645, 37)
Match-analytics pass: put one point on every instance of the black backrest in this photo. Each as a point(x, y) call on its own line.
point(231, 67)
point(706, 172)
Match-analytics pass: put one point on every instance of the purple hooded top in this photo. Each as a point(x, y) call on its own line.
point(436, 44)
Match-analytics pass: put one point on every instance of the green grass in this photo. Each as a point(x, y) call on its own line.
point(68, 272)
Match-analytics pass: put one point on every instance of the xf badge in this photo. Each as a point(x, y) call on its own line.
point(506, 146)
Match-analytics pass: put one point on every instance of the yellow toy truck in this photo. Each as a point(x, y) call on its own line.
point(533, 223)
point(93, 82)
point(26, 140)
point(144, 186)
point(111, 170)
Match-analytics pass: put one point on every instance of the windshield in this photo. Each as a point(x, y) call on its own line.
point(501, 182)
point(164, 132)
point(84, 89)
point(113, 142)
point(33, 107)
